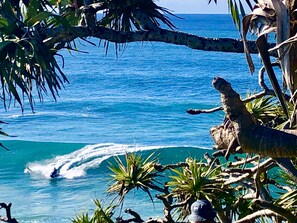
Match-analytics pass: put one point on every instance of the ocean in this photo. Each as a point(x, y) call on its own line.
point(135, 101)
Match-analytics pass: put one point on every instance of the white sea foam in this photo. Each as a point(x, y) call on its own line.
point(76, 164)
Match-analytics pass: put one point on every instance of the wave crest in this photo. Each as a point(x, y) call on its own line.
point(75, 164)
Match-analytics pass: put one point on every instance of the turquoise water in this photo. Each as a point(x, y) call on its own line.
point(133, 102)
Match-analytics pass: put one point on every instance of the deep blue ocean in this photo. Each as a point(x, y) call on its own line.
point(135, 101)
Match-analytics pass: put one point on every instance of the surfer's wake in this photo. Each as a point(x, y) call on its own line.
point(75, 164)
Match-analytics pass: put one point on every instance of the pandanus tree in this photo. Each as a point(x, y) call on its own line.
point(34, 31)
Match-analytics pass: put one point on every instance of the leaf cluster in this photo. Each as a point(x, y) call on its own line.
point(120, 15)
point(197, 181)
point(101, 215)
point(135, 173)
point(237, 9)
point(26, 62)
point(267, 111)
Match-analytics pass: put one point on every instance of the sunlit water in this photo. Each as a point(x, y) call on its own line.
point(135, 102)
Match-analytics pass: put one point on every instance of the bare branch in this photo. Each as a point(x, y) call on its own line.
point(256, 215)
point(250, 171)
point(246, 100)
point(261, 76)
point(207, 111)
point(54, 36)
point(136, 216)
point(243, 161)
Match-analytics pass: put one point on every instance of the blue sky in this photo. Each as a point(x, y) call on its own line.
point(195, 6)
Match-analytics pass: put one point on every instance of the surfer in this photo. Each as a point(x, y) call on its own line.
point(55, 173)
point(27, 170)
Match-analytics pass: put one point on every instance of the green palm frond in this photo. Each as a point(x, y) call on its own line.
point(286, 179)
point(123, 15)
point(27, 63)
point(248, 3)
point(238, 10)
point(288, 201)
point(267, 111)
point(81, 218)
point(25, 60)
point(136, 173)
point(195, 181)
point(263, 109)
point(233, 7)
point(101, 215)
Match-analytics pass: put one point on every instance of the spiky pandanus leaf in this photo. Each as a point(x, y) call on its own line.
point(119, 15)
point(135, 173)
point(266, 111)
point(81, 218)
point(237, 10)
point(288, 201)
point(101, 214)
point(196, 181)
point(27, 63)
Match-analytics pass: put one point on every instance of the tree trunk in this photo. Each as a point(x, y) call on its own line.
point(253, 138)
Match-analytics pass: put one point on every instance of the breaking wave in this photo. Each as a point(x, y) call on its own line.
point(75, 164)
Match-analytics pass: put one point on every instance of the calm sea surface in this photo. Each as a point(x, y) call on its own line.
point(134, 102)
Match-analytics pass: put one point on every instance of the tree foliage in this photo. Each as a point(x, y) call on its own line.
point(138, 173)
point(26, 63)
point(34, 31)
point(243, 189)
